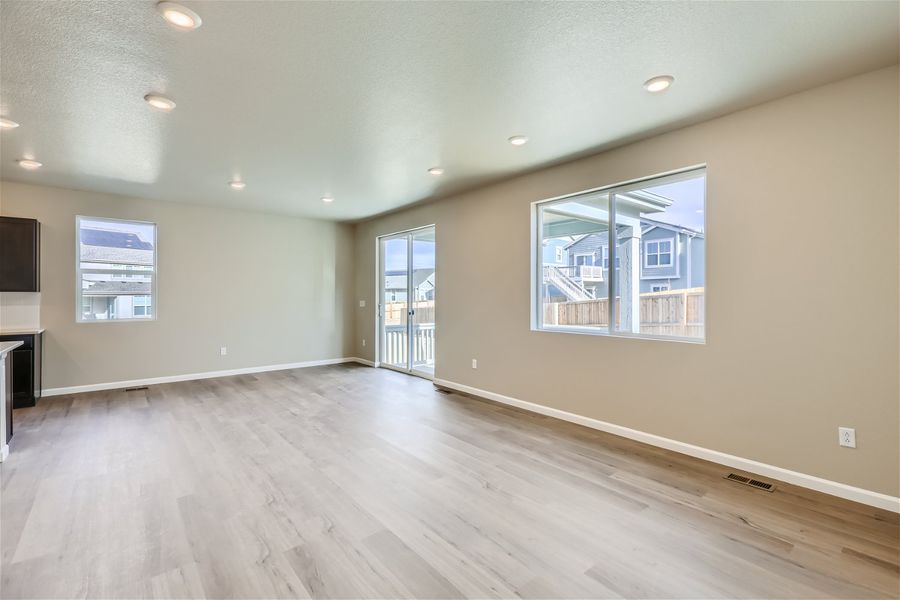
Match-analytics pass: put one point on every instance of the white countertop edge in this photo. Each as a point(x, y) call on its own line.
point(7, 346)
point(21, 331)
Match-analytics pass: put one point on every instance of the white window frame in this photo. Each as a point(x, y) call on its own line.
point(593, 256)
point(537, 287)
point(79, 272)
point(671, 253)
point(604, 257)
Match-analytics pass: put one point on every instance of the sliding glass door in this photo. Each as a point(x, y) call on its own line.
point(406, 301)
point(394, 308)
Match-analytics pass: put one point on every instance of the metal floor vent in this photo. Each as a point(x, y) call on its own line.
point(762, 485)
point(137, 389)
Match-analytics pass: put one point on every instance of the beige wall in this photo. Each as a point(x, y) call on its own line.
point(802, 308)
point(273, 289)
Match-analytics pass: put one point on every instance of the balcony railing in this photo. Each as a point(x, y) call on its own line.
point(586, 272)
point(590, 272)
point(396, 346)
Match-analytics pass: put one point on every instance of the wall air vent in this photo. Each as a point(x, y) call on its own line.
point(137, 389)
point(761, 485)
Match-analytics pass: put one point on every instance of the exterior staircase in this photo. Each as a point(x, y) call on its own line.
point(572, 289)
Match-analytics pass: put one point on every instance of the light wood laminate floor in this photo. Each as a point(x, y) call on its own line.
point(352, 482)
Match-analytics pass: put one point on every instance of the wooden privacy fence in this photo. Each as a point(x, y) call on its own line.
point(674, 312)
point(395, 312)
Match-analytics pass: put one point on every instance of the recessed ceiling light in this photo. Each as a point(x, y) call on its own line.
point(436, 170)
point(30, 164)
point(237, 184)
point(327, 199)
point(159, 102)
point(179, 16)
point(658, 84)
point(8, 124)
point(518, 140)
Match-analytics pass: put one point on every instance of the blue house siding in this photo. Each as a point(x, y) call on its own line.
point(549, 254)
point(679, 275)
point(698, 262)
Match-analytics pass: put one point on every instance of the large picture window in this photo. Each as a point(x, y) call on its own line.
point(115, 270)
point(658, 286)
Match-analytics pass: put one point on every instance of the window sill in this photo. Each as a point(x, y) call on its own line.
point(115, 321)
point(618, 334)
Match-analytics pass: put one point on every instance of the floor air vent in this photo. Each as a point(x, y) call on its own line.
point(762, 485)
point(137, 389)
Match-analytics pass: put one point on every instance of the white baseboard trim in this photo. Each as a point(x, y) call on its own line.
point(812, 482)
point(115, 385)
point(364, 361)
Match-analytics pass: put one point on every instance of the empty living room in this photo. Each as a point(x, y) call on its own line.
point(449, 299)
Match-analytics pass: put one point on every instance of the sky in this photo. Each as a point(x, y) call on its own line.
point(395, 255)
point(688, 206)
point(143, 230)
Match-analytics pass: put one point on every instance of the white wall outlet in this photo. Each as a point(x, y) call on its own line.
point(362, 304)
point(474, 363)
point(847, 437)
point(223, 351)
point(364, 343)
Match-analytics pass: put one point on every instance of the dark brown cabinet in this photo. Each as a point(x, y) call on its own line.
point(25, 367)
point(20, 255)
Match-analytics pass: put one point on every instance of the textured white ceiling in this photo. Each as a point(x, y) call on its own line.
point(357, 100)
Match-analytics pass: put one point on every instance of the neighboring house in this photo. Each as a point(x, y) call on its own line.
point(120, 296)
point(672, 258)
point(395, 285)
point(555, 252)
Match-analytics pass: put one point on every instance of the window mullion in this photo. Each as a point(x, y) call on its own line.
point(613, 252)
point(538, 273)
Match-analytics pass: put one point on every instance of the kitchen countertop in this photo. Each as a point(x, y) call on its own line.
point(7, 346)
point(21, 331)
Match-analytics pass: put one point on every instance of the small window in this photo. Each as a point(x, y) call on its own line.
point(559, 254)
point(658, 253)
point(584, 259)
point(606, 258)
point(659, 287)
point(141, 306)
point(115, 269)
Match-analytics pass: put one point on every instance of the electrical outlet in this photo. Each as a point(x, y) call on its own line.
point(474, 363)
point(847, 437)
point(223, 351)
point(364, 343)
point(362, 304)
